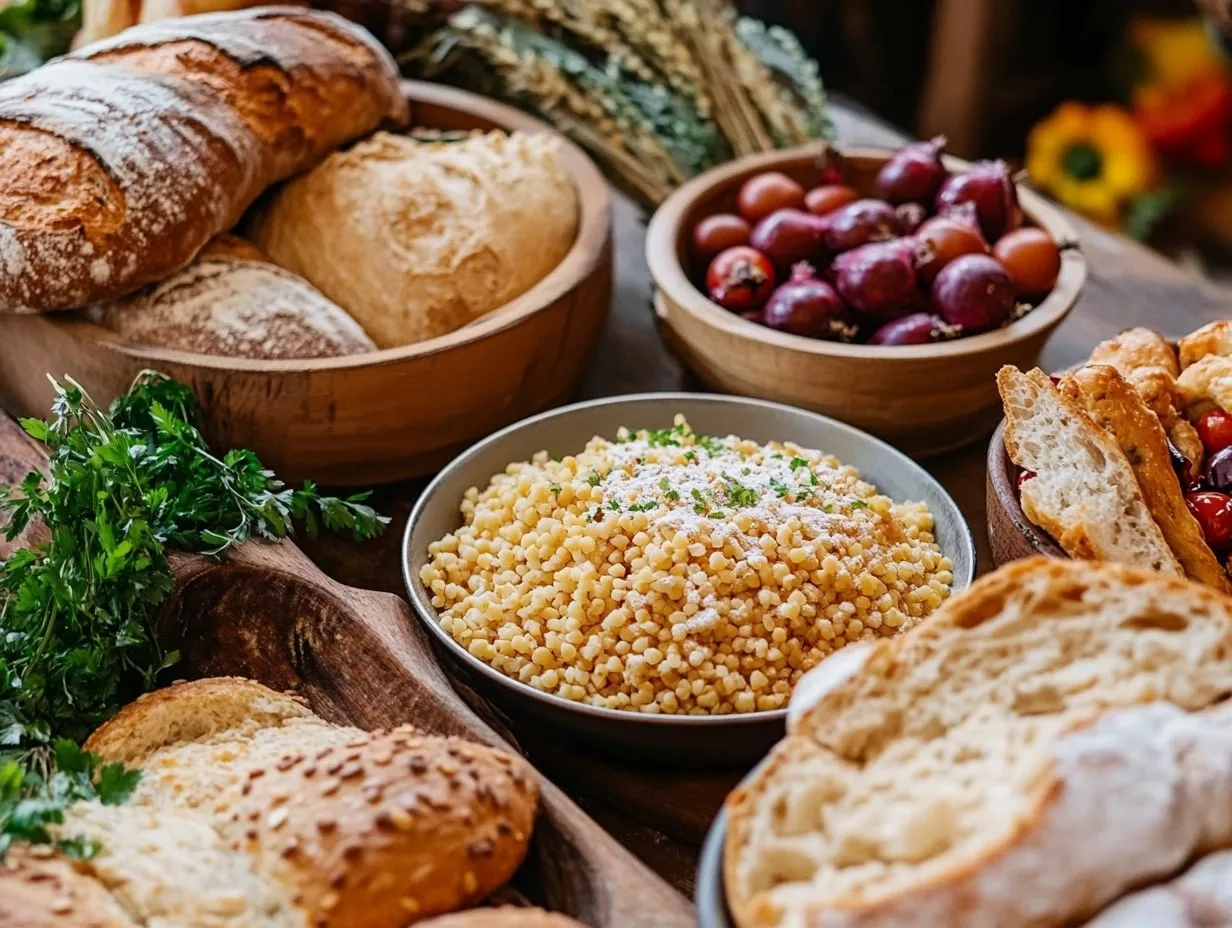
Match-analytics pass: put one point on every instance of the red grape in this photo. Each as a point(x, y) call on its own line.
point(974, 293)
point(1032, 259)
point(913, 174)
point(762, 194)
point(822, 200)
point(808, 306)
point(916, 329)
point(941, 241)
point(788, 236)
point(719, 233)
point(1215, 430)
point(878, 281)
point(989, 187)
point(859, 223)
point(1214, 514)
point(1023, 477)
point(740, 279)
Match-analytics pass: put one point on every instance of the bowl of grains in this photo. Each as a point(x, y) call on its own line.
point(654, 573)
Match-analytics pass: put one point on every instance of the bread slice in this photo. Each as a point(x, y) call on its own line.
point(1213, 338)
point(1019, 760)
point(1201, 897)
point(1084, 494)
point(1118, 409)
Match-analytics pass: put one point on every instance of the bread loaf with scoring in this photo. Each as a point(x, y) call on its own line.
point(122, 160)
point(233, 301)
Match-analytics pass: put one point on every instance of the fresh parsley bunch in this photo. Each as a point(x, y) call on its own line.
point(124, 487)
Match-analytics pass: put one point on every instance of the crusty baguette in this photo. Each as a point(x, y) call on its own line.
point(124, 159)
point(1201, 897)
point(1025, 756)
point(1118, 409)
point(233, 301)
point(1084, 494)
point(1212, 338)
point(254, 813)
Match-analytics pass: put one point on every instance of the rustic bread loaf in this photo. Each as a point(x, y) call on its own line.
point(1201, 897)
point(1022, 758)
point(233, 301)
point(1084, 494)
point(42, 890)
point(1117, 408)
point(124, 159)
point(1212, 338)
point(415, 239)
point(1206, 384)
point(357, 829)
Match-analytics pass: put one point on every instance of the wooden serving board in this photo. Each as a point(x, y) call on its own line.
point(360, 658)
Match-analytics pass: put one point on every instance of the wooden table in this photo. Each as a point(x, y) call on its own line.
point(662, 815)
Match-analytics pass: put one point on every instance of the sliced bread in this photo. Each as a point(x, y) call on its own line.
point(990, 768)
point(1084, 492)
point(1117, 408)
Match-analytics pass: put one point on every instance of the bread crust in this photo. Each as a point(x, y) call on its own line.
point(1118, 409)
point(1212, 338)
point(503, 917)
point(124, 159)
point(42, 890)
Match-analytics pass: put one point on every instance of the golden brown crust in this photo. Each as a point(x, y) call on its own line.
point(1136, 349)
point(123, 160)
point(40, 890)
point(1212, 338)
point(1118, 409)
point(503, 917)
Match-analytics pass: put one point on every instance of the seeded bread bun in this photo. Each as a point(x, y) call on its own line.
point(503, 917)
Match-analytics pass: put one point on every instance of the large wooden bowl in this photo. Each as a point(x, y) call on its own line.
point(923, 398)
point(1011, 535)
point(375, 417)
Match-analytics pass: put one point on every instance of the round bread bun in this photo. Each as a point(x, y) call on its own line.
point(44, 890)
point(415, 239)
point(507, 916)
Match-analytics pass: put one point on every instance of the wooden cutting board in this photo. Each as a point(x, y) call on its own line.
point(360, 658)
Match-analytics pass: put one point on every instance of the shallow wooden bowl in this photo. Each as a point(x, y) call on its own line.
point(678, 740)
point(1011, 535)
point(924, 399)
point(375, 417)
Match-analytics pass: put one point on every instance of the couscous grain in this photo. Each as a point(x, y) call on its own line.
point(678, 573)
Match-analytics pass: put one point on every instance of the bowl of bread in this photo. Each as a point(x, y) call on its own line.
point(1122, 459)
point(993, 765)
point(358, 275)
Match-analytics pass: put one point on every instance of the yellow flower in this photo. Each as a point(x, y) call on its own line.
point(1092, 159)
point(1176, 53)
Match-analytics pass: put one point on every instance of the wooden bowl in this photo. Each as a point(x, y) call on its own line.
point(679, 740)
point(924, 399)
point(1011, 535)
point(376, 417)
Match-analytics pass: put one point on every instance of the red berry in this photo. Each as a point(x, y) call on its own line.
point(1024, 476)
point(740, 279)
point(1215, 430)
point(1214, 513)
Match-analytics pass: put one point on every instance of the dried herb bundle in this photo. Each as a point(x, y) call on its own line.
point(656, 90)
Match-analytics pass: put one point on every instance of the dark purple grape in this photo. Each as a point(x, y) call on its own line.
point(789, 236)
point(1218, 471)
point(913, 173)
point(974, 293)
point(806, 305)
point(859, 223)
point(878, 281)
point(989, 187)
point(916, 329)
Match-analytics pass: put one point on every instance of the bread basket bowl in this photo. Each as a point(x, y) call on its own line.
point(375, 417)
point(924, 399)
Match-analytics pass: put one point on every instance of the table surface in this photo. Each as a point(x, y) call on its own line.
point(662, 815)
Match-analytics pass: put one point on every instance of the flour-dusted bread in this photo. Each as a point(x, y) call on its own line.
point(252, 811)
point(1024, 757)
point(1084, 492)
point(1117, 408)
point(415, 239)
point(234, 302)
point(121, 161)
point(1201, 897)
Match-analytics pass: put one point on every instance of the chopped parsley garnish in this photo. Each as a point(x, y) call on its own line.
point(709, 445)
point(779, 487)
point(858, 504)
point(643, 506)
point(673, 496)
point(665, 484)
point(718, 514)
point(797, 463)
point(614, 505)
point(555, 488)
point(701, 508)
point(777, 456)
point(593, 478)
point(690, 455)
point(738, 494)
point(745, 471)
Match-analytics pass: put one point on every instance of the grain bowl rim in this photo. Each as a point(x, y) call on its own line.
point(587, 250)
point(427, 614)
point(670, 278)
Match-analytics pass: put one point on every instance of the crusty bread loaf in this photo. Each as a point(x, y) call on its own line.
point(1201, 897)
point(1117, 408)
point(415, 239)
point(123, 160)
point(1084, 494)
point(1206, 384)
point(1019, 760)
point(42, 890)
point(503, 917)
point(233, 301)
point(252, 811)
point(1212, 338)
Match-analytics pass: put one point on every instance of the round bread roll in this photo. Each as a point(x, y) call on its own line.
point(232, 301)
point(506, 916)
point(415, 239)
